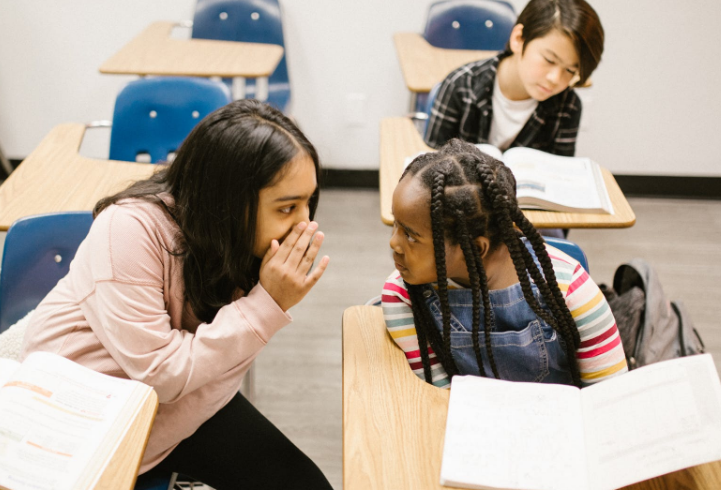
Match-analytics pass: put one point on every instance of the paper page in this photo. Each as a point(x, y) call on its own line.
point(654, 420)
point(502, 434)
point(7, 368)
point(568, 181)
point(490, 150)
point(53, 415)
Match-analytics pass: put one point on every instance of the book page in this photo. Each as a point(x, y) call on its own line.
point(503, 434)
point(491, 150)
point(571, 182)
point(654, 420)
point(7, 368)
point(54, 414)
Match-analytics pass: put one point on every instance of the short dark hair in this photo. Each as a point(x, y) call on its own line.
point(576, 19)
point(215, 180)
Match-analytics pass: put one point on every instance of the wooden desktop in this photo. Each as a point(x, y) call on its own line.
point(122, 471)
point(54, 177)
point(394, 422)
point(154, 52)
point(400, 139)
point(424, 65)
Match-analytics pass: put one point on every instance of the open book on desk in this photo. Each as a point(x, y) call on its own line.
point(60, 422)
point(553, 182)
point(653, 420)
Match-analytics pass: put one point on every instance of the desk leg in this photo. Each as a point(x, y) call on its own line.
point(238, 91)
point(412, 108)
point(261, 88)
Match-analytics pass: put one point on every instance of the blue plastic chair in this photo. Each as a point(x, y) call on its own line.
point(569, 248)
point(254, 21)
point(37, 254)
point(154, 115)
point(468, 24)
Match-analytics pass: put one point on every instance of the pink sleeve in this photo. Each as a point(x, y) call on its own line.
point(128, 313)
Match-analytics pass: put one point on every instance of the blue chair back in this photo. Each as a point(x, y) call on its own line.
point(428, 101)
point(253, 21)
point(569, 248)
point(154, 115)
point(37, 254)
point(470, 24)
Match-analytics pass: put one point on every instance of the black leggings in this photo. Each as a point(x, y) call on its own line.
point(238, 448)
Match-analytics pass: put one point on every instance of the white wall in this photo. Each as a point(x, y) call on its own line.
point(652, 110)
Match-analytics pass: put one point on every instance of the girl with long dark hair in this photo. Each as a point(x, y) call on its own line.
point(183, 279)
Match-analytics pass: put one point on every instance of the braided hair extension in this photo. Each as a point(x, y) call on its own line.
point(479, 289)
point(473, 195)
point(508, 213)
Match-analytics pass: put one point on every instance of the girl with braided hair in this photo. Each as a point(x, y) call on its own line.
point(477, 291)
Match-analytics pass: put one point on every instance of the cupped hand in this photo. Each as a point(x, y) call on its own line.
point(284, 272)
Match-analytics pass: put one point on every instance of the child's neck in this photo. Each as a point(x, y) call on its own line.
point(500, 271)
point(509, 80)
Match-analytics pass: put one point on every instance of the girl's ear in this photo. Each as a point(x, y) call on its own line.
point(484, 245)
point(516, 40)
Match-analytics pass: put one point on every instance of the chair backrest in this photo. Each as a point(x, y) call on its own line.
point(252, 21)
point(430, 99)
point(569, 248)
point(470, 24)
point(154, 115)
point(37, 254)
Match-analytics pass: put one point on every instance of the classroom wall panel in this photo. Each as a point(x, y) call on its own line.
point(652, 109)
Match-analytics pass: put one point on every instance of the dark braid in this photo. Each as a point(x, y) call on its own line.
point(473, 195)
point(479, 288)
point(437, 213)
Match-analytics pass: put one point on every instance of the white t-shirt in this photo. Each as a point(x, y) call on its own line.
point(509, 117)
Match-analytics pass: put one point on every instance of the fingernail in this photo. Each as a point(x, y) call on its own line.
point(313, 225)
point(302, 225)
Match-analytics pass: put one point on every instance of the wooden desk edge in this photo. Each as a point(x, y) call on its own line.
point(62, 143)
point(129, 454)
point(384, 393)
point(154, 31)
point(623, 216)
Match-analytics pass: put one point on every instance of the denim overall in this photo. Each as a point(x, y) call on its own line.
point(525, 347)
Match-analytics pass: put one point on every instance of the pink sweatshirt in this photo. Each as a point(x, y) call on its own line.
point(120, 311)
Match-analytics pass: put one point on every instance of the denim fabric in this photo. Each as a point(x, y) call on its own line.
point(525, 347)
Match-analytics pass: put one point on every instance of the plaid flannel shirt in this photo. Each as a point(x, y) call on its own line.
point(463, 109)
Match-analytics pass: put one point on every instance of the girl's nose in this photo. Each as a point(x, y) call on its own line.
point(395, 242)
point(304, 215)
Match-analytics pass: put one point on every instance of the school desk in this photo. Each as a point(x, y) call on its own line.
point(424, 65)
point(394, 422)
point(54, 177)
point(400, 139)
point(154, 52)
point(121, 472)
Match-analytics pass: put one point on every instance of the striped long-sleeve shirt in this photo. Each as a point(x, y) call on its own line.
point(600, 355)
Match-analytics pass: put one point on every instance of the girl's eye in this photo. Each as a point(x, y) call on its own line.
point(287, 210)
point(571, 72)
point(550, 62)
point(409, 238)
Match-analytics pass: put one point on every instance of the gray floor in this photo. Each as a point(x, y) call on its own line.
point(298, 376)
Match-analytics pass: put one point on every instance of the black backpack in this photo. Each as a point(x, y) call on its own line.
point(652, 328)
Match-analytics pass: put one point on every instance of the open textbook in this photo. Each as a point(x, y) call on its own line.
point(60, 423)
point(653, 420)
point(552, 182)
